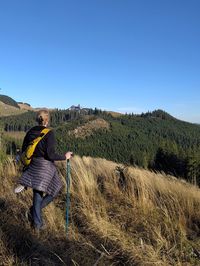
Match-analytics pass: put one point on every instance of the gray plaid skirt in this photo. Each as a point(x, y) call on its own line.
point(42, 175)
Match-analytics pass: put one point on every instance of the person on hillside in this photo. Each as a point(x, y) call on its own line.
point(41, 175)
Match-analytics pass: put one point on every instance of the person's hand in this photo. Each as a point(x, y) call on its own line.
point(68, 155)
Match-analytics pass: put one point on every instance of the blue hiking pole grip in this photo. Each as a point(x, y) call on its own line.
point(68, 195)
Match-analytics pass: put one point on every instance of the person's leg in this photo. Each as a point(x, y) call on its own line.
point(36, 208)
point(46, 200)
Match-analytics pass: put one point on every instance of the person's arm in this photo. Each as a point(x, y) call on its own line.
point(50, 142)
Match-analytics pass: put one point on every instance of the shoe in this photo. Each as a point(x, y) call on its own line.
point(37, 231)
point(19, 189)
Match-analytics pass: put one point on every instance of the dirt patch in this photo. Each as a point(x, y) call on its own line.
point(89, 128)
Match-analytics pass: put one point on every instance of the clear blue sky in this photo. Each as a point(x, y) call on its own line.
point(121, 55)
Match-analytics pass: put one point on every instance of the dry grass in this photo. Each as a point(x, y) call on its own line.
point(17, 135)
point(24, 106)
point(114, 114)
point(119, 216)
point(6, 110)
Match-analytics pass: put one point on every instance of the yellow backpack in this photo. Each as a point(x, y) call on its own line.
point(28, 153)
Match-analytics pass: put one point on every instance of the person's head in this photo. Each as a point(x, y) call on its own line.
point(43, 117)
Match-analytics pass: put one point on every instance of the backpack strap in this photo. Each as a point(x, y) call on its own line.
point(42, 135)
point(28, 153)
point(39, 138)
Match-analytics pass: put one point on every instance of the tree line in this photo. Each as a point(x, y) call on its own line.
point(25, 121)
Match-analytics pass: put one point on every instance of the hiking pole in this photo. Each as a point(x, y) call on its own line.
point(68, 195)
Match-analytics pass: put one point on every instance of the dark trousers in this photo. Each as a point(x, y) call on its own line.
point(39, 202)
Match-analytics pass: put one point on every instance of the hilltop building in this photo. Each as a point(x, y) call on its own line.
point(75, 108)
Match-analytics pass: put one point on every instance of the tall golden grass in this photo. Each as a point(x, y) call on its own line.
point(17, 135)
point(118, 216)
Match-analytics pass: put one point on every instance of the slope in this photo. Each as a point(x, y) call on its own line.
point(7, 110)
point(119, 216)
point(8, 100)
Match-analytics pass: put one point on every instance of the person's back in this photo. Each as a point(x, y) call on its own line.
point(46, 147)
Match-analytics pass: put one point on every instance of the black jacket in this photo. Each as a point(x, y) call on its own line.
point(46, 147)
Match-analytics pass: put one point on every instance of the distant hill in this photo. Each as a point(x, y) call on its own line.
point(25, 106)
point(8, 100)
point(158, 114)
point(28, 107)
point(114, 114)
point(9, 106)
point(8, 110)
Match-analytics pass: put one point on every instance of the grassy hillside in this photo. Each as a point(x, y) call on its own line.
point(25, 106)
point(119, 216)
point(7, 110)
point(8, 100)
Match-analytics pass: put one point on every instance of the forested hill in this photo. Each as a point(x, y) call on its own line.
point(153, 140)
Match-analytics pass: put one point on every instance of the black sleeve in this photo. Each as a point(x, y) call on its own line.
point(51, 154)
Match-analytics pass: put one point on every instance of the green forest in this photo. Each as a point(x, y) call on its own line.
point(153, 140)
